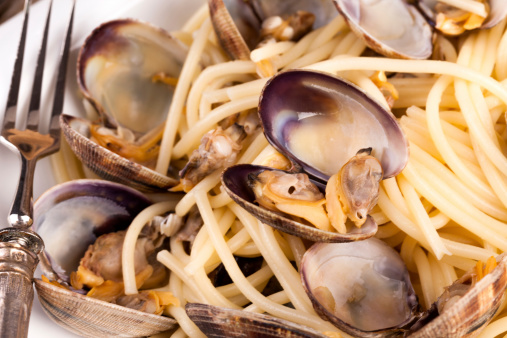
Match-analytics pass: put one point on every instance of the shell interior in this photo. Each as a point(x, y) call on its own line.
point(116, 66)
point(410, 36)
point(107, 164)
point(313, 117)
point(69, 217)
point(238, 23)
point(90, 317)
point(361, 287)
point(236, 179)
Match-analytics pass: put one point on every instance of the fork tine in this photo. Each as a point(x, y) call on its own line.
point(12, 99)
point(54, 126)
point(33, 110)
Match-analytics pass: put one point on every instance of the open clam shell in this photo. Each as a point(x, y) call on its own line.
point(320, 121)
point(361, 287)
point(238, 23)
point(90, 317)
point(107, 164)
point(115, 71)
point(69, 217)
point(470, 313)
point(364, 289)
point(236, 179)
point(219, 322)
point(390, 27)
point(497, 12)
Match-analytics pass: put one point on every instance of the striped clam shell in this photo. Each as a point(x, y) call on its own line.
point(90, 317)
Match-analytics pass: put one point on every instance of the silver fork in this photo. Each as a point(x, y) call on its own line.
point(19, 246)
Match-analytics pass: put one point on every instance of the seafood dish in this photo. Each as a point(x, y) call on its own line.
point(298, 168)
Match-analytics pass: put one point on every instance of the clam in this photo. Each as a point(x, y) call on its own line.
point(106, 163)
point(360, 287)
point(321, 117)
point(239, 24)
point(409, 38)
point(467, 306)
point(69, 217)
point(237, 181)
point(364, 289)
point(127, 71)
point(453, 21)
point(220, 322)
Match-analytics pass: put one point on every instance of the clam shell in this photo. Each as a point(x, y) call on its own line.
point(67, 232)
point(238, 23)
point(115, 67)
point(217, 322)
point(316, 271)
point(328, 101)
point(115, 71)
point(227, 32)
point(235, 181)
point(71, 215)
point(107, 164)
point(415, 42)
point(90, 317)
point(498, 11)
point(472, 312)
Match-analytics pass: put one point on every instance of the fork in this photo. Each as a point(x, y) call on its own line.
point(19, 246)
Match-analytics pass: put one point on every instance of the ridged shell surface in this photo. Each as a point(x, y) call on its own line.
point(107, 164)
point(217, 322)
point(94, 318)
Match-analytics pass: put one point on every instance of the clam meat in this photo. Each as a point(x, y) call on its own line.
point(82, 223)
point(219, 148)
point(309, 218)
point(322, 118)
point(455, 21)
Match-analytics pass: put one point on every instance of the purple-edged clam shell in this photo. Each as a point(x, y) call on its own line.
point(393, 28)
point(362, 287)
point(236, 180)
point(107, 164)
point(238, 23)
point(70, 216)
point(497, 11)
point(320, 121)
point(115, 68)
point(117, 71)
point(218, 322)
point(470, 314)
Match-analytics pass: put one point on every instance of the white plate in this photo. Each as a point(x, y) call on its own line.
point(168, 14)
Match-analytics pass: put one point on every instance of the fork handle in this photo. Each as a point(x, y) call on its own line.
point(20, 215)
point(18, 260)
